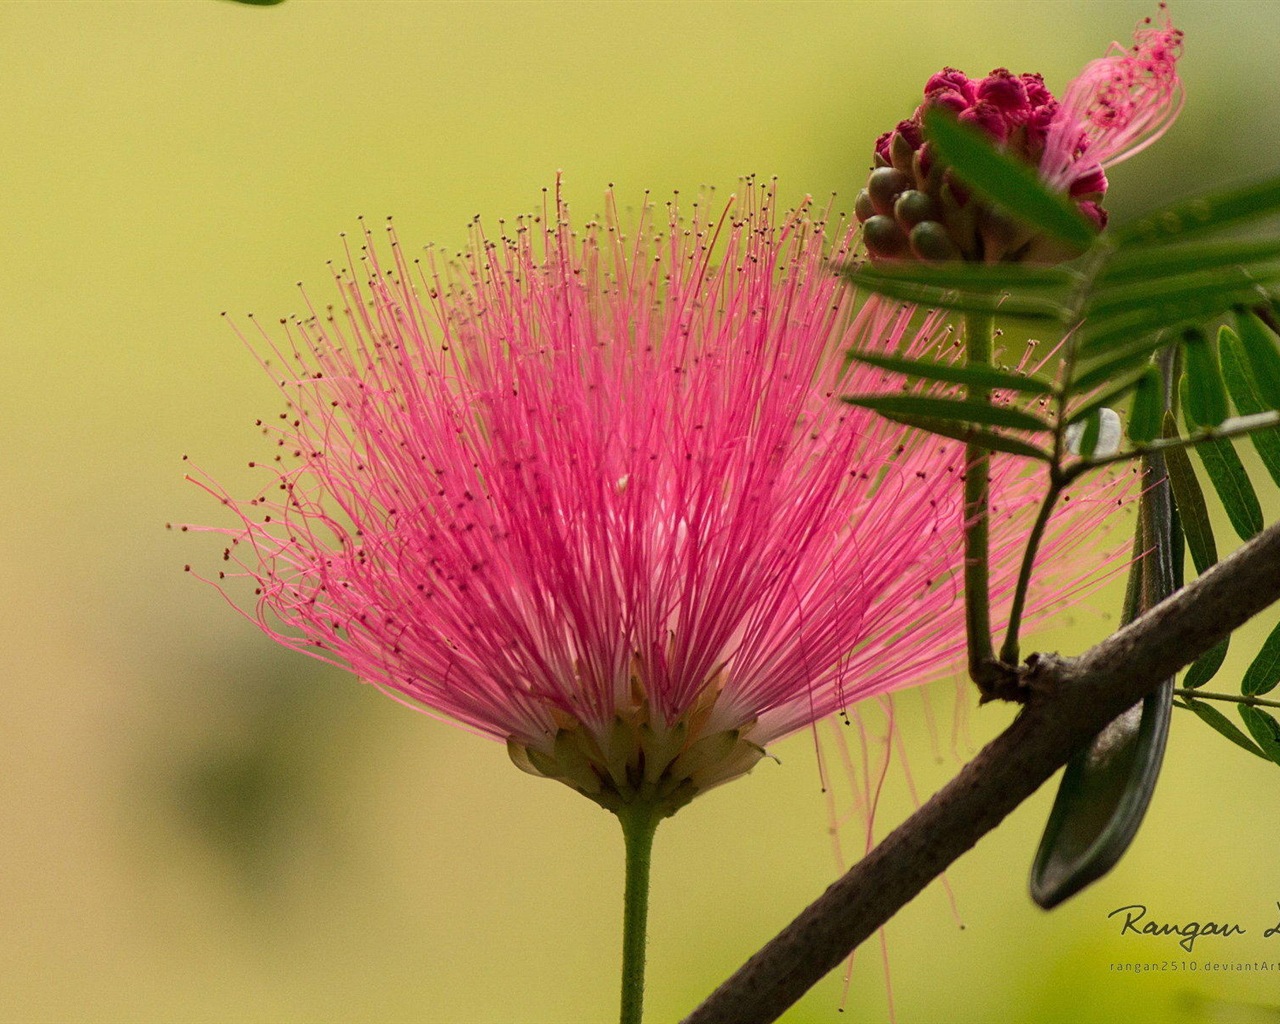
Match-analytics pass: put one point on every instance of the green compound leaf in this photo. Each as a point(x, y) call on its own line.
point(1241, 388)
point(957, 373)
point(954, 409)
point(1206, 666)
point(1201, 215)
point(1220, 723)
point(1264, 672)
point(1229, 479)
point(1015, 186)
point(1264, 728)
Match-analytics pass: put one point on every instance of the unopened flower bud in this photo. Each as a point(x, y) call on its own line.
point(1094, 212)
point(1002, 234)
point(927, 171)
point(913, 207)
point(863, 208)
point(930, 242)
point(1091, 184)
point(901, 152)
point(988, 119)
point(883, 238)
point(1003, 90)
point(884, 186)
point(1038, 93)
point(950, 79)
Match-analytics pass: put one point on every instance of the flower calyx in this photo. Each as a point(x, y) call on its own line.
point(640, 760)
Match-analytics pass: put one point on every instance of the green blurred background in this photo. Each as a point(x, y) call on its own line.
point(196, 826)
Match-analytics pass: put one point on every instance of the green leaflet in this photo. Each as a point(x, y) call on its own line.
point(1101, 334)
point(1192, 510)
point(1220, 723)
point(954, 409)
point(1259, 345)
point(1247, 402)
point(1092, 432)
point(1110, 396)
point(1106, 366)
point(1264, 672)
point(957, 373)
point(1229, 479)
point(1146, 263)
point(971, 435)
point(1203, 214)
point(1205, 396)
point(1172, 293)
point(989, 279)
point(1264, 728)
point(905, 288)
point(1007, 181)
point(1145, 413)
point(1206, 666)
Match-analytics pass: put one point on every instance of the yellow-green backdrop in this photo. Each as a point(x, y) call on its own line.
point(196, 826)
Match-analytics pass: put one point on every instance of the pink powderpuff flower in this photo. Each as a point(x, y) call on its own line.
point(1116, 107)
point(594, 495)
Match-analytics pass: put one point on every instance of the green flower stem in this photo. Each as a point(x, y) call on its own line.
point(1254, 702)
point(978, 346)
point(1009, 651)
point(639, 823)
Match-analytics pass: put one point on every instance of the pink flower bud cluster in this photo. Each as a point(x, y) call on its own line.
point(1117, 106)
point(1014, 110)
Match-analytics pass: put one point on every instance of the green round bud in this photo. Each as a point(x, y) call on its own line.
point(930, 241)
point(882, 237)
point(884, 186)
point(862, 206)
point(913, 207)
